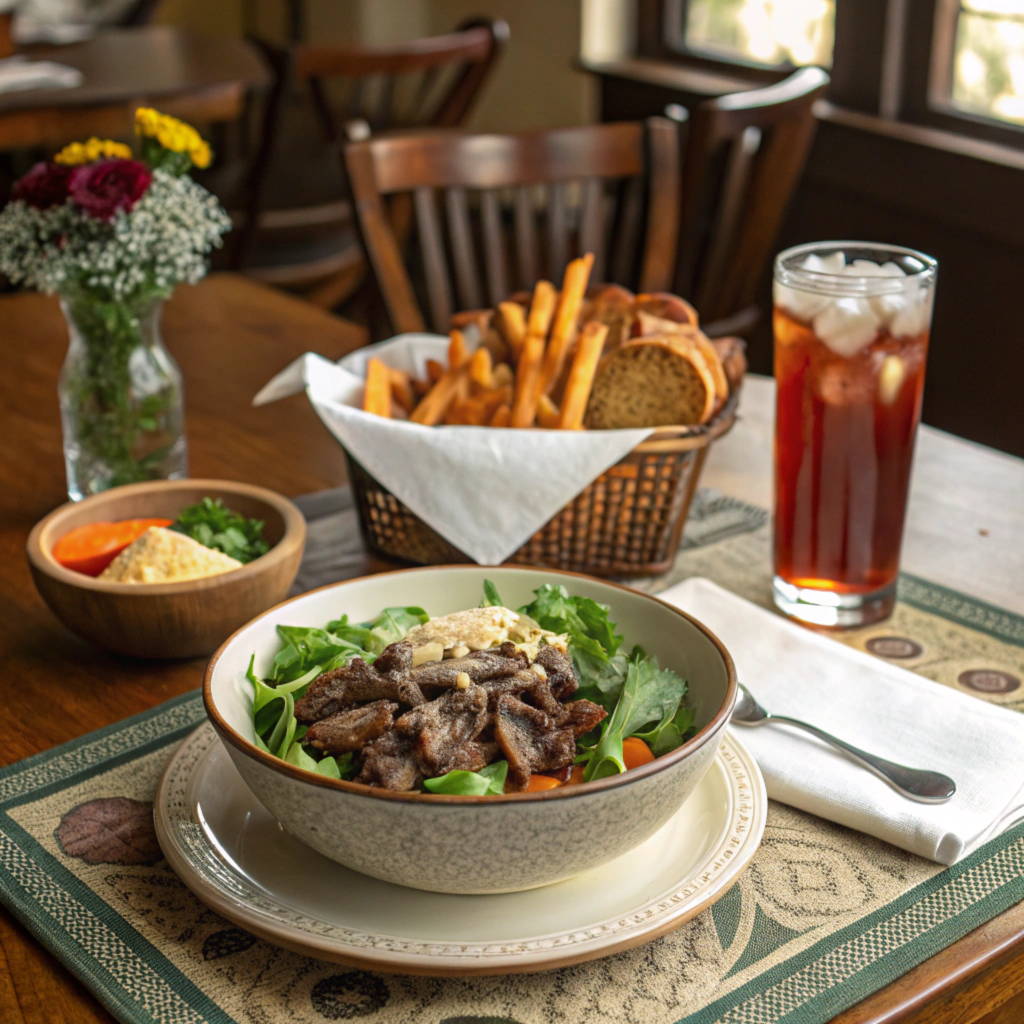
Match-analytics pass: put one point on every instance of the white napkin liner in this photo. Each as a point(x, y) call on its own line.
point(486, 490)
point(879, 707)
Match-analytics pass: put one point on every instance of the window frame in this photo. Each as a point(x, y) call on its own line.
point(905, 80)
point(674, 18)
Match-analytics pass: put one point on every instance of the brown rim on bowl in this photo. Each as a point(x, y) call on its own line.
point(39, 547)
point(227, 733)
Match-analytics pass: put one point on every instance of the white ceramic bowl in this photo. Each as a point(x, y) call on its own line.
point(474, 844)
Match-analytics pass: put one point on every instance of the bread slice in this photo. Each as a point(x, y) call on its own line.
point(650, 325)
point(667, 307)
point(651, 382)
point(733, 353)
point(613, 306)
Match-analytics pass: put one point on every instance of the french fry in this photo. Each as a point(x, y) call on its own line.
point(502, 416)
point(435, 371)
point(542, 307)
point(401, 390)
point(577, 274)
point(502, 376)
point(548, 415)
point(377, 396)
point(481, 369)
point(581, 375)
point(524, 409)
point(435, 404)
point(511, 322)
point(420, 387)
point(457, 354)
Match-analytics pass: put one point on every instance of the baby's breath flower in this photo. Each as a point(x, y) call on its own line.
point(163, 241)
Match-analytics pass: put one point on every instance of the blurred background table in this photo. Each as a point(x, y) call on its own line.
point(230, 336)
point(191, 75)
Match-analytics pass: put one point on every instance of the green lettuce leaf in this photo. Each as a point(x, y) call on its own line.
point(649, 695)
point(489, 781)
point(490, 598)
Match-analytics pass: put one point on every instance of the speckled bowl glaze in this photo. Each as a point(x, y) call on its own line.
point(474, 844)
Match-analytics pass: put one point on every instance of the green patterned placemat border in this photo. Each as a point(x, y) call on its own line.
point(140, 985)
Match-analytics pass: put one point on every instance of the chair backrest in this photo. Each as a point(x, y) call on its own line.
point(418, 83)
point(744, 155)
point(517, 208)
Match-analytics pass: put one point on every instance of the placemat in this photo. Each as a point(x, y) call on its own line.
point(822, 918)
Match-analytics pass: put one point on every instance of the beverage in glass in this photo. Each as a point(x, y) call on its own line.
point(851, 323)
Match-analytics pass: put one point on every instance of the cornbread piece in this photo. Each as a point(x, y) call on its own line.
point(390, 762)
point(651, 382)
point(530, 740)
point(444, 726)
point(388, 678)
point(353, 729)
point(166, 556)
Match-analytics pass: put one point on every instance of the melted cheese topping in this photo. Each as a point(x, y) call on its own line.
point(165, 556)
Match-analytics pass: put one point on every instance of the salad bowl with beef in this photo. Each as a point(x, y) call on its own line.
point(471, 730)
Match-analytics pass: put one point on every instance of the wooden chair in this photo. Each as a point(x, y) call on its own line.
point(293, 214)
point(517, 208)
point(744, 155)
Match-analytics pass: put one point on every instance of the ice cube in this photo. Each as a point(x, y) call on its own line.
point(865, 268)
point(841, 383)
point(831, 264)
point(803, 305)
point(847, 325)
point(890, 379)
point(913, 318)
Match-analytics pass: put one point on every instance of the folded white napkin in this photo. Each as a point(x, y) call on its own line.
point(18, 74)
point(484, 489)
point(878, 707)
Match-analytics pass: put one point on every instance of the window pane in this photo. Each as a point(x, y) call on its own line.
point(764, 31)
point(988, 63)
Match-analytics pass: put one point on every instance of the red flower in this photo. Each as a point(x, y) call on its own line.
point(103, 188)
point(43, 186)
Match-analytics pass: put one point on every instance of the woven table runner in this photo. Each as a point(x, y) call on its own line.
point(822, 918)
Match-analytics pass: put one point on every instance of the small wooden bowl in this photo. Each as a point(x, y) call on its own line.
point(168, 620)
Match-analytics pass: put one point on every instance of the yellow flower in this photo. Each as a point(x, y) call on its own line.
point(172, 134)
point(94, 149)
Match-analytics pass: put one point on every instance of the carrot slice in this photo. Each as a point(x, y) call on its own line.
point(538, 783)
point(575, 776)
point(635, 752)
point(91, 548)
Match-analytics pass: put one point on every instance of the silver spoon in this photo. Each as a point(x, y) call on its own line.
point(923, 786)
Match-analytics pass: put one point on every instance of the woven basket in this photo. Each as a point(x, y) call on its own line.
point(627, 522)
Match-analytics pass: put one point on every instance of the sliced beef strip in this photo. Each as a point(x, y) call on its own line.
point(474, 756)
point(580, 716)
point(390, 762)
point(530, 740)
point(524, 679)
point(353, 729)
point(558, 666)
point(444, 726)
point(494, 663)
point(340, 688)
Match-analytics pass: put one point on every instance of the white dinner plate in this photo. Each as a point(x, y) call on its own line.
point(236, 858)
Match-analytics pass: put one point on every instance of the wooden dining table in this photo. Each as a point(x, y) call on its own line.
point(231, 336)
point(188, 74)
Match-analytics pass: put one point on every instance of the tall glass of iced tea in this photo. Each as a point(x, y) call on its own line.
point(851, 337)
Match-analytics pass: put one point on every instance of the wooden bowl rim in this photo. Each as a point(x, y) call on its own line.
point(40, 543)
point(718, 721)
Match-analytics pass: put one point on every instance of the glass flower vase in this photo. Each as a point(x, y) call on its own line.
point(120, 396)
